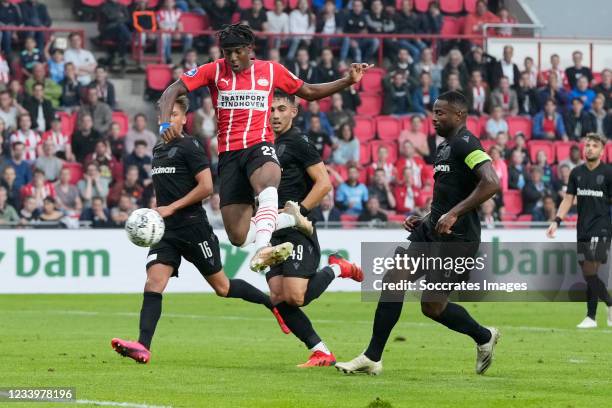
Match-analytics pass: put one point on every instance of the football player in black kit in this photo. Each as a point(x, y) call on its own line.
point(182, 179)
point(591, 183)
point(304, 183)
point(464, 179)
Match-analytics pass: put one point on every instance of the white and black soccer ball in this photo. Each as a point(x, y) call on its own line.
point(145, 227)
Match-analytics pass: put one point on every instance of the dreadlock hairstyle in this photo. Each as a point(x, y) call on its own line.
point(235, 35)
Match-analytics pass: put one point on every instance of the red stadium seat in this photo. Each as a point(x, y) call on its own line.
point(399, 218)
point(451, 25)
point(245, 4)
point(269, 4)
point(371, 104)
point(92, 3)
point(536, 145)
point(123, 120)
point(470, 5)
point(487, 144)
point(451, 6)
point(562, 150)
point(473, 125)
point(388, 127)
point(68, 123)
point(348, 220)
point(392, 147)
point(126, 3)
point(325, 104)
point(193, 22)
point(365, 154)
point(513, 202)
point(421, 5)
point(597, 77)
point(158, 76)
point(76, 171)
point(363, 175)
point(525, 217)
point(508, 217)
point(364, 128)
point(608, 154)
point(152, 4)
point(372, 80)
point(519, 124)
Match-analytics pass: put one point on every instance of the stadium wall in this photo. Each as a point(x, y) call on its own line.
point(104, 261)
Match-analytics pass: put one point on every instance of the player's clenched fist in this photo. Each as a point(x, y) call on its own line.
point(412, 222)
point(446, 222)
point(168, 133)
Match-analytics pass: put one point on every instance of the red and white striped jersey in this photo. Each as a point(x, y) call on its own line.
point(59, 139)
point(242, 101)
point(169, 19)
point(30, 139)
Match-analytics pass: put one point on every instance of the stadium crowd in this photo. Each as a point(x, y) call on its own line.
point(67, 153)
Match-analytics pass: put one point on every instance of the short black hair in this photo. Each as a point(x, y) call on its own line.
point(140, 142)
point(278, 94)
point(456, 99)
point(235, 35)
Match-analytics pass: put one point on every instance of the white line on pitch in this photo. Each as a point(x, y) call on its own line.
point(118, 404)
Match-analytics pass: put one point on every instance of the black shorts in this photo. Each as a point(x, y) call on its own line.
point(235, 168)
point(197, 243)
point(594, 249)
point(305, 259)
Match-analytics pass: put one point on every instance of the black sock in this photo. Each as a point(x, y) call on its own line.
point(599, 289)
point(318, 283)
point(299, 324)
point(245, 291)
point(591, 302)
point(149, 316)
point(387, 315)
point(456, 318)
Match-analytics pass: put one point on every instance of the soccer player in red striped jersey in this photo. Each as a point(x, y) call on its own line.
point(242, 90)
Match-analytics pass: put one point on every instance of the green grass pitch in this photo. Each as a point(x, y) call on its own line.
point(211, 352)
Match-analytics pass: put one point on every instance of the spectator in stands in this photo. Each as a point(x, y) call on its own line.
point(424, 95)
point(531, 71)
point(55, 61)
point(404, 64)
point(30, 56)
point(35, 14)
point(61, 142)
point(499, 165)
point(352, 194)
point(317, 136)
point(256, 18)
point(487, 214)
point(83, 60)
point(406, 195)
point(105, 88)
point(130, 186)
point(67, 195)
point(496, 123)
point(601, 117)
point(378, 21)
point(432, 20)
point(205, 121)
point(97, 214)
point(142, 160)
point(534, 191)
point(555, 67)
point(169, 19)
point(8, 214)
point(355, 23)
point(380, 187)
point(574, 158)
point(455, 65)
point(583, 92)
point(190, 60)
point(122, 211)
point(40, 109)
point(116, 142)
point(301, 20)
point(39, 188)
point(48, 162)
point(16, 90)
point(329, 21)
point(478, 60)
point(92, 185)
point(501, 141)
point(383, 162)
point(23, 172)
point(108, 166)
point(85, 138)
point(505, 18)
point(8, 181)
point(562, 182)
point(326, 212)
point(548, 177)
point(9, 110)
point(346, 149)
point(473, 24)
point(30, 212)
point(71, 87)
point(9, 16)
point(575, 72)
point(27, 136)
point(517, 171)
point(553, 91)
point(452, 83)
point(411, 161)
point(5, 70)
point(303, 68)
point(605, 88)
point(139, 131)
point(52, 90)
point(426, 64)
point(548, 124)
point(408, 22)
point(100, 112)
point(505, 97)
point(220, 12)
point(351, 99)
point(505, 68)
point(578, 122)
point(372, 214)
point(478, 95)
point(278, 21)
point(49, 211)
point(527, 97)
point(338, 116)
point(547, 212)
point(397, 95)
point(314, 109)
point(327, 67)
point(415, 135)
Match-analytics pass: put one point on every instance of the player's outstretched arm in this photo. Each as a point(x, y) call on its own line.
point(564, 208)
point(312, 92)
point(166, 103)
point(203, 189)
point(322, 186)
point(488, 185)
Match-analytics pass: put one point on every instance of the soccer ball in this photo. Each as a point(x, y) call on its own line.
point(145, 227)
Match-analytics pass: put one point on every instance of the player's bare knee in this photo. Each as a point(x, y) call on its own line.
point(155, 284)
point(221, 287)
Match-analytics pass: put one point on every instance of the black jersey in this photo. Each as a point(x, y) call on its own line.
point(295, 153)
point(175, 165)
point(454, 180)
point(593, 189)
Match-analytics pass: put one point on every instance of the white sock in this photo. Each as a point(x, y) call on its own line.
point(250, 238)
point(285, 221)
point(265, 217)
point(321, 347)
point(336, 269)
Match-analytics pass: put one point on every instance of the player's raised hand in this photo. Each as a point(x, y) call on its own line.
point(412, 222)
point(552, 230)
point(357, 70)
point(446, 222)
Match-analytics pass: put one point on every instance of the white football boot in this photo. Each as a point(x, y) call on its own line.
point(484, 352)
point(360, 364)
